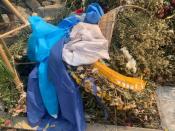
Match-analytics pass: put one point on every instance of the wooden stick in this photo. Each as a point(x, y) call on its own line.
point(14, 30)
point(17, 81)
point(14, 10)
point(5, 48)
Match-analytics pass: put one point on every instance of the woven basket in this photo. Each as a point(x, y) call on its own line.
point(107, 23)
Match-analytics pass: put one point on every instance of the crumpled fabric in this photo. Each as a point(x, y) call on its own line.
point(94, 12)
point(87, 45)
point(68, 92)
point(43, 37)
point(36, 112)
point(39, 45)
point(35, 107)
point(70, 115)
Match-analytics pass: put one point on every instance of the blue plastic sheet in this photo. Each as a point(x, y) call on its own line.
point(52, 70)
point(35, 107)
point(71, 116)
point(36, 112)
point(39, 45)
point(69, 22)
point(68, 92)
point(43, 37)
point(94, 12)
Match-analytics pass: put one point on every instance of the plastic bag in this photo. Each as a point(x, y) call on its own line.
point(94, 12)
point(69, 22)
point(43, 37)
point(87, 45)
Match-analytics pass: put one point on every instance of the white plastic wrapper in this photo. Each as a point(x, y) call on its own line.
point(166, 106)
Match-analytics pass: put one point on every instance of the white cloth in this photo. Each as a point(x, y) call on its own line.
point(86, 46)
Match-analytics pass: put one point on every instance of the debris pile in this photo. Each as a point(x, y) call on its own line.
point(142, 47)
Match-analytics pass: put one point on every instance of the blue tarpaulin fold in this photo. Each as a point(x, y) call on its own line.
point(68, 92)
point(35, 107)
point(42, 39)
point(70, 115)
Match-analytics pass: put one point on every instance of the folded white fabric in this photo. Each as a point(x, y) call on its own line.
point(86, 46)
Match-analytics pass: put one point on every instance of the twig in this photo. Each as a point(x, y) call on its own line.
point(13, 9)
point(12, 31)
point(170, 17)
